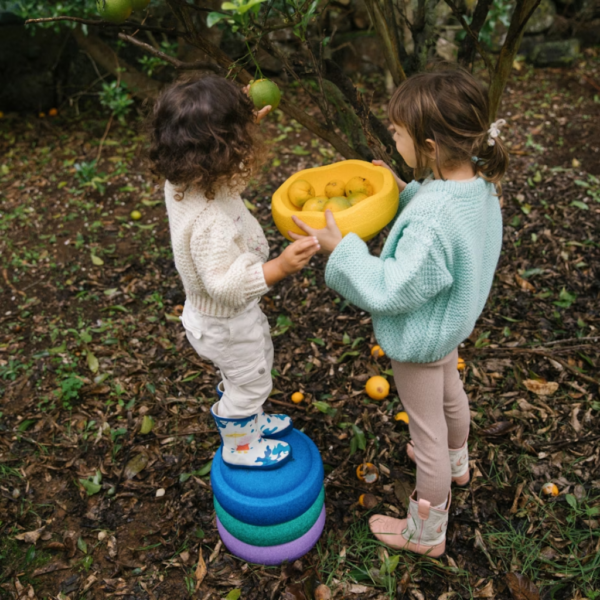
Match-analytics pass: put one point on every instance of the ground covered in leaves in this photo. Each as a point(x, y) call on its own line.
point(91, 347)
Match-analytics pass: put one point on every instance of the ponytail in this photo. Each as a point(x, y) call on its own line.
point(492, 157)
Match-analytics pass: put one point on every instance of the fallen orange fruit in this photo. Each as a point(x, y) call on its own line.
point(377, 387)
point(53, 112)
point(401, 416)
point(376, 352)
point(549, 489)
point(368, 501)
point(297, 397)
point(367, 472)
point(461, 364)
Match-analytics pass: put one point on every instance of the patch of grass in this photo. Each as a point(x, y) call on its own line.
point(560, 543)
point(22, 558)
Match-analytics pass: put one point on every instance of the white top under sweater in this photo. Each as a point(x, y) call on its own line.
point(219, 249)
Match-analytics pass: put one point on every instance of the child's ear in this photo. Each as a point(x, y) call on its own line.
point(431, 148)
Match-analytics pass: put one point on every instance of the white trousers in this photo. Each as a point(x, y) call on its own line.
point(242, 349)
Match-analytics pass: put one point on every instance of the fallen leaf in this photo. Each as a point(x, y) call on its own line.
point(200, 572)
point(135, 465)
point(521, 587)
point(30, 537)
point(541, 388)
point(402, 490)
point(524, 284)
point(486, 592)
point(499, 428)
point(49, 568)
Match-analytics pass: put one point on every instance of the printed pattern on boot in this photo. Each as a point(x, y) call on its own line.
point(273, 425)
point(422, 532)
point(244, 446)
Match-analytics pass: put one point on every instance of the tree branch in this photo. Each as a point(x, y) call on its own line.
point(101, 23)
point(473, 36)
point(466, 52)
point(182, 66)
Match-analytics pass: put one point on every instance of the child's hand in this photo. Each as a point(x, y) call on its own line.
point(401, 184)
point(296, 256)
point(329, 237)
point(263, 112)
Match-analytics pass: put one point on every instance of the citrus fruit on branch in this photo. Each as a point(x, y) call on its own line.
point(115, 11)
point(264, 92)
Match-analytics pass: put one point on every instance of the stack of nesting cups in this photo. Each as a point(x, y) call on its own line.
point(271, 516)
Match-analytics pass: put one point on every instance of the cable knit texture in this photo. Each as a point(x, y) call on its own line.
point(430, 284)
point(219, 249)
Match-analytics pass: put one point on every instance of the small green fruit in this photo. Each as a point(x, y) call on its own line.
point(264, 92)
point(115, 11)
point(135, 215)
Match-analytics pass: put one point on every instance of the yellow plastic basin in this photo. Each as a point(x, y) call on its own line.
point(366, 219)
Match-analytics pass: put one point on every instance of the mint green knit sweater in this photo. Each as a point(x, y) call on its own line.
point(433, 277)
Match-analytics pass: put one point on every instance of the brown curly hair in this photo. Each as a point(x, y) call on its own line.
point(203, 134)
point(450, 107)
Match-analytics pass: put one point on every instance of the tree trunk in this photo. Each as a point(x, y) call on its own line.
point(521, 15)
point(137, 83)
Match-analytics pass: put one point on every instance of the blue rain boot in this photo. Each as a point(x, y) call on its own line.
point(271, 426)
point(244, 446)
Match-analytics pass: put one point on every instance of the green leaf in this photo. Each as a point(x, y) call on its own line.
point(81, 544)
point(90, 487)
point(205, 470)
point(346, 339)
point(26, 424)
point(147, 425)
point(246, 7)
point(229, 6)
point(483, 340)
point(571, 500)
point(97, 260)
point(579, 204)
point(87, 562)
point(318, 341)
point(92, 362)
point(530, 273)
point(565, 299)
point(300, 151)
point(234, 594)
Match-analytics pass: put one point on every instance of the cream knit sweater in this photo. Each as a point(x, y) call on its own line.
point(219, 249)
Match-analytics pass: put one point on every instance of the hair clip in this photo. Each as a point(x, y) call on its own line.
point(494, 131)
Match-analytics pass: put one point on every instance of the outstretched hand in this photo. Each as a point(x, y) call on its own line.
point(263, 112)
point(328, 237)
point(401, 184)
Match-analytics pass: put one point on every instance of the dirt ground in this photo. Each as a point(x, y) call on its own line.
point(90, 344)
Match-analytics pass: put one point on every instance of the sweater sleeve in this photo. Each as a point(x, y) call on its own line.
point(405, 197)
point(231, 277)
point(399, 284)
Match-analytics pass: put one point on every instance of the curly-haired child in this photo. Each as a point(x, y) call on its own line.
point(204, 144)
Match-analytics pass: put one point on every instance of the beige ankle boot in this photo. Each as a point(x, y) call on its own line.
point(422, 532)
point(459, 462)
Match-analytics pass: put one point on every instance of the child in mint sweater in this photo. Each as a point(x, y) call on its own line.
point(430, 284)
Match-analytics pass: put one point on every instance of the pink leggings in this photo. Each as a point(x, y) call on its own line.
point(438, 408)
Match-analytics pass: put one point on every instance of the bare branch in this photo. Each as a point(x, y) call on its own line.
point(170, 59)
point(466, 52)
point(101, 23)
point(474, 36)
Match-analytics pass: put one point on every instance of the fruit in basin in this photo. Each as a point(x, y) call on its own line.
point(300, 191)
point(356, 198)
point(337, 204)
point(317, 203)
point(366, 218)
point(335, 188)
point(359, 185)
point(264, 92)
